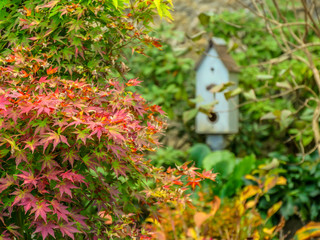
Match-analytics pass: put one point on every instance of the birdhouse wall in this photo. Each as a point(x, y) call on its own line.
point(213, 71)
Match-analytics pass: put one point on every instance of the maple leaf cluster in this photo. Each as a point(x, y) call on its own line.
point(86, 37)
point(71, 150)
point(57, 136)
point(72, 136)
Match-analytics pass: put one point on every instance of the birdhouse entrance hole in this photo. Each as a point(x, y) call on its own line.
point(213, 117)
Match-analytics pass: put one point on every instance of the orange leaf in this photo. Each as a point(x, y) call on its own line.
point(177, 182)
point(193, 182)
point(36, 67)
point(52, 70)
point(160, 235)
point(27, 11)
point(215, 205)
point(200, 217)
point(107, 217)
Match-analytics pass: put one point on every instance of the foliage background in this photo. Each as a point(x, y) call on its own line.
point(277, 109)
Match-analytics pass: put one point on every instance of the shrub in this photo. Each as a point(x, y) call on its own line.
point(72, 134)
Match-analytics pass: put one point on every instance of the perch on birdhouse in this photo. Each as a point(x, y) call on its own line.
point(215, 73)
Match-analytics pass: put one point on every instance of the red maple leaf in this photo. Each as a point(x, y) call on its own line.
point(13, 230)
point(68, 229)
point(28, 201)
point(193, 182)
point(45, 229)
point(6, 182)
point(79, 218)
point(72, 176)
point(41, 209)
point(20, 195)
point(133, 82)
point(31, 145)
point(60, 210)
point(55, 138)
point(65, 187)
point(52, 174)
point(3, 102)
point(208, 175)
point(28, 178)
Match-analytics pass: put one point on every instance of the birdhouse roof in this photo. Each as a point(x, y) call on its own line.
point(221, 47)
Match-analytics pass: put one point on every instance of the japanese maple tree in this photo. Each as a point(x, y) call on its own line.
point(72, 134)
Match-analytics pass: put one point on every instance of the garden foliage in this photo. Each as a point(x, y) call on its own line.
point(72, 134)
point(280, 96)
point(216, 218)
point(279, 104)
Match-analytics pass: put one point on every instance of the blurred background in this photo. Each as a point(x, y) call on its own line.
point(268, 183)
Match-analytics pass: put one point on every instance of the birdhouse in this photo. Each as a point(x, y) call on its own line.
point(217, 68)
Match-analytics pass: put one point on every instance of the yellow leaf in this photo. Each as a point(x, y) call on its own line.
point(269, 231)
point(309, 231)
point(249, 191)
point(281, 181)
point(272, 181)
point(153, 220)
point(170, 1)
point(256, 235)
point(253, 178)
point(240, 207)
point(250, 204)
point(157, 3)
point(115, 3)
point(274, 208)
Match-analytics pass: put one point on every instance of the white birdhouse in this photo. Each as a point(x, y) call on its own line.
point(215, 68)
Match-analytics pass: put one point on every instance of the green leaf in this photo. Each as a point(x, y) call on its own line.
point(285, 84)
point(3, 3)
point(244, 167)
point(192, 102)
point(250, 95)
point(221, 87)
point(264, 77)
point(190, 114)
point(197, 36)
point(232, 93)
point(268, 116)
point(223, 162)
point(204, 19)
point(198, 152)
